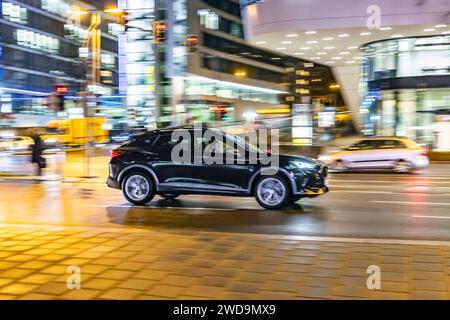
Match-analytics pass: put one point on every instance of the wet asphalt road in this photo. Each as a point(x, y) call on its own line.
point(360, 205)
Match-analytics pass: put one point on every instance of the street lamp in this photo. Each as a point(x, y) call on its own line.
point(94, 36)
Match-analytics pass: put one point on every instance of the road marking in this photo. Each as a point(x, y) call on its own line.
point(431, 217)
point(362, 191)
point(392, 181)
point(413, 202)
point(347, 240)
point(174, 208)
point(406, 193)
point(356, 186)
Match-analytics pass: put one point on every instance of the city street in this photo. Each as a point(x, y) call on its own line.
point(399, 222)
point(360, 205)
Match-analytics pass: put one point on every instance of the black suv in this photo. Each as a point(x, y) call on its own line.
point(143, 167)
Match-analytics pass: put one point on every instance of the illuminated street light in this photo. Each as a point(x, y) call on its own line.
point(113, 10)
point(78, 12)
point(240, 73)
point(334, 86)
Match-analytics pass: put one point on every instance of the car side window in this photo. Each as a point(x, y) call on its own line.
point(391, 144)
point(220, 147)
point(362, 145)
point(166, 143)
point(144, 142)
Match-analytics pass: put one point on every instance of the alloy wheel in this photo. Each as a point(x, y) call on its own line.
point(137, 187)
point(271, 192)
point(402, 167)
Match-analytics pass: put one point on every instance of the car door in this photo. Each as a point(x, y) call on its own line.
point(360, 154)
point(390, 150)
point(220, 175)
point(372, 154)
point(167, 169)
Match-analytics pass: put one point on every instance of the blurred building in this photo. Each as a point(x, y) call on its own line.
point(391, 58)
point(41, 48)
point(201, 67)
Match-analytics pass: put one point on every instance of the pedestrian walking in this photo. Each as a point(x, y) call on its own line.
point(36, 156)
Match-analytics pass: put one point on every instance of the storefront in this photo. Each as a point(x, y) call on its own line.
point(406, 82)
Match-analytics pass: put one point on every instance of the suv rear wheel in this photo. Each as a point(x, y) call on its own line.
point(138, 188)
point(272, 192)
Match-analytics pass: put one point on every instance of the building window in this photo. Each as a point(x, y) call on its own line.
point(37, 41)
point(75, 33)
point(14, 13)
point(115, 29)
point(226, 6)
point(58, 7)
point(108, 60)
point(208, 19)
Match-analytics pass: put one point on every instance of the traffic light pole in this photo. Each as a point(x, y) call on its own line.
point(95, 38)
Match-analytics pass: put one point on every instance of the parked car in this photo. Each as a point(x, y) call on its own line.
point(143, 167)
point(402, 155)
point(18, 143)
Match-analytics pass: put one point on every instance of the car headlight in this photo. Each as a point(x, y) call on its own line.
point(304, 165)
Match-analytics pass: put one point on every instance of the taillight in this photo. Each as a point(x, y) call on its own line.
point(115, 153)
point(422, 153)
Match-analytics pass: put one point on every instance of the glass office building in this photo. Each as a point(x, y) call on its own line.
point(41, 46)
point(407, 88)
point(217, 76)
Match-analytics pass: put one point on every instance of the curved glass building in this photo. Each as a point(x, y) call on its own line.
point(408, 80)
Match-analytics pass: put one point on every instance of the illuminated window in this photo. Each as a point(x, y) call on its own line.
point(14, 13)
point(208, 19)
point(58, 7)
point(108, 60)
point(115, 29)
point(37, 41)
point(75, 33)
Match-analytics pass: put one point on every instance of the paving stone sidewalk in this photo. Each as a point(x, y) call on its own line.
point(134, 263)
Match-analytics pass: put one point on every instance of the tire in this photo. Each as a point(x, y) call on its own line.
point(339, 166)
point(402, 166)
point(272, 192)
point(138, 188)
point(169, 196)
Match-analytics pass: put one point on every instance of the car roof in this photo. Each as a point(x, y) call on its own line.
point(172, 129)
point(387, 138)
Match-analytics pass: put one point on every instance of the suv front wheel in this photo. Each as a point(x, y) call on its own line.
point(138, 188)
point(272, 192)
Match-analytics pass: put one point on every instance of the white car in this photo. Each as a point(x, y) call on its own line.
point(399, 154)
point(19, 143)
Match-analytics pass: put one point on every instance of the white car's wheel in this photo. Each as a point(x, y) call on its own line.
point(272, 192)
point(402, 166)
point(339, 166)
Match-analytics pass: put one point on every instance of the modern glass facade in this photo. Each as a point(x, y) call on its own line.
point(407, 86)
point(139, 80)
point(222, 72)
point(41, 46)
point(228, 91)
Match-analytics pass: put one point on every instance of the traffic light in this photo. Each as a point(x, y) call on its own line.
point(61, 91)
point(159, 32)
point(191, 43)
